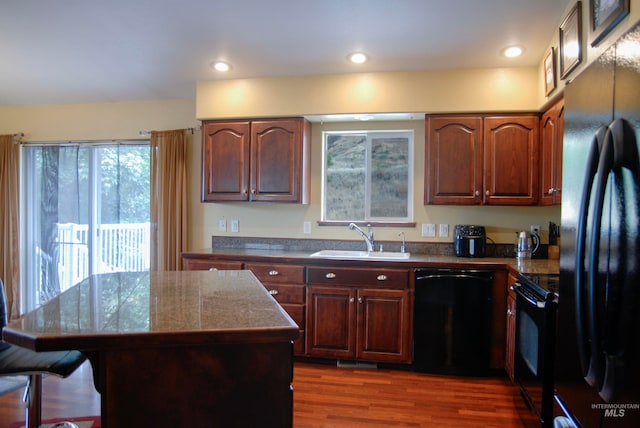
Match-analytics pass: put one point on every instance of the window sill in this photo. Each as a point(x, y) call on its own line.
point(366, 223)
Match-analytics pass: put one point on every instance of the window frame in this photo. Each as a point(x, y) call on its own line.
point(370, 134)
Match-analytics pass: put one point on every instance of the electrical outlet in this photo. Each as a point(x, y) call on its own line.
point(222, 225)
point(235, 227)
point(306, 228)
point(535, 228)
point(429, 230)
point(444, 230)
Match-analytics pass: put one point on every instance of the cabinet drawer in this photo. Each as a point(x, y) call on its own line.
point(204, 264)
point(296, 312)
point(289, 293)
point(375, 277)
point(277, 274)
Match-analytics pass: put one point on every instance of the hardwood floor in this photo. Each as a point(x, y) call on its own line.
point(336, 397)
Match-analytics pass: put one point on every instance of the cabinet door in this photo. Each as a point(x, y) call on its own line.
point(551, 135)
point(225, 161)
point(511, 330)
point(454, 160)
point(384, 330)
point(331, 322)
point(511, 149)
point(276, 160)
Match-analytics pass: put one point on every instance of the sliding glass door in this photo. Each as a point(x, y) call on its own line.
point(86, 211)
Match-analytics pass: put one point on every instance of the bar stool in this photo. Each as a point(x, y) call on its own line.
point(15, 360)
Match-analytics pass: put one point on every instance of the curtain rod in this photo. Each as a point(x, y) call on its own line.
point(146, 133)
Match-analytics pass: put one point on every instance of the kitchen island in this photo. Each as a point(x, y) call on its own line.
point(174, 348)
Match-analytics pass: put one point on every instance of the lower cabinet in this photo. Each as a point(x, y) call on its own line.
point(511, 328)
point(359, 314)
point(286, 283)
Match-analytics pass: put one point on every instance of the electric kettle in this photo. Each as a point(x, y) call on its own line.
point(527, 244)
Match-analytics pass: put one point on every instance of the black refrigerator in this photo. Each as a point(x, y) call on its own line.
point(597, 371)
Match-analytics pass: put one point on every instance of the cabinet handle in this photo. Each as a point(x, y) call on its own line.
point(212, 269)
point(509, 312)
point(487, 193)
point(273, 292)
point(330, 275)
point(244, 191)
point(382, 277)
point(360, 300)
point(253, 191)
point(551, 191)
point(477, 193)
point(352, 299)
point(274, 273)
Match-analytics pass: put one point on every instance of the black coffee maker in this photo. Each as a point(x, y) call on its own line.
point(470, 240)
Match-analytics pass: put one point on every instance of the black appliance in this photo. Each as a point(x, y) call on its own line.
point(452, 321)
point(536, 302)
point(597, 372)
point(470, 240)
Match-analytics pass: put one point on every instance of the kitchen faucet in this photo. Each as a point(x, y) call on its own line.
point(367, 238)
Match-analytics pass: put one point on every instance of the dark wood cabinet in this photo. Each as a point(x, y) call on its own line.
point(511, 150)
point(474, 160)
point(257, 160)
point(510, 345)
point(454, 160)
point(551, 135)
point(286, 283)
point(359, 314)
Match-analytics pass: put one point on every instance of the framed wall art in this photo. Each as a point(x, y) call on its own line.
point(549, 71)
point(571, 41)
point(604, 15)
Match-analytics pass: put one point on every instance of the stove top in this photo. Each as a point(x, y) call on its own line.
point(546, 283)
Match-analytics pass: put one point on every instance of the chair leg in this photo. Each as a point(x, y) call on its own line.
point(33, 399)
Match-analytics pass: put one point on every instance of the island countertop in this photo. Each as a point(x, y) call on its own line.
point(124, 310)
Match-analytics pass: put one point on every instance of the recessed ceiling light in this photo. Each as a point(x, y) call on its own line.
point(512, 51)
point(358, 58)
point(220, 66)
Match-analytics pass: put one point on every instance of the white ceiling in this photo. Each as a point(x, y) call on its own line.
point(86, 51)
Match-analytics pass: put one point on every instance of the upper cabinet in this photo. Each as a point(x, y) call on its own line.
point(472, 160)
point(256, 160)
point(551, 133)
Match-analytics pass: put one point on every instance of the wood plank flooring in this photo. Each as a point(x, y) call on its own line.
point(326, 396)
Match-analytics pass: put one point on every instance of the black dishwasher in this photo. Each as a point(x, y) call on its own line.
point(452, 321)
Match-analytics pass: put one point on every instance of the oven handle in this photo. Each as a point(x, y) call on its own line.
point(517, 287)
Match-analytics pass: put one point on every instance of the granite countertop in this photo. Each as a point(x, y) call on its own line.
point(531, 266)
point(121, 310)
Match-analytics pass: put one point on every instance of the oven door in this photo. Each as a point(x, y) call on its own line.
point(533, 369)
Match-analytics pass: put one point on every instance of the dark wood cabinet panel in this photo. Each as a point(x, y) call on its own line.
point(383, 320)
point(225, 161)
point(511, 150)
point(551, 135)
point(331, 319)
point(454, 160)
point(262, 160)
point(510, 344)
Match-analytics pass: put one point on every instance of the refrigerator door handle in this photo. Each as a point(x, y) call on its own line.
point(619, 305)
point(582, 331)
point(595, 373)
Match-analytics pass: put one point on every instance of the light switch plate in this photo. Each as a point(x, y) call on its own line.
point(429, 230)
point(306, 227)
point(444, 230)
point(222, 225)
point(235, 227)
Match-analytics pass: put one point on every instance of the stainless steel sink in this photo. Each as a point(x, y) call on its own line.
point(360, 255)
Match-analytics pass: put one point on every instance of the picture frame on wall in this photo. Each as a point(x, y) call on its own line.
point(549, 71)
point(571, 41)
point(604, 15)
